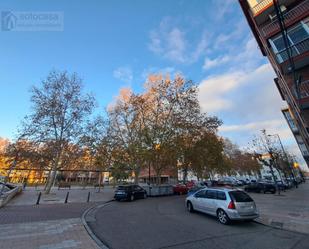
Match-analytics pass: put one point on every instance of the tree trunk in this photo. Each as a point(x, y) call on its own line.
point(47, 180)
point(185, 174)
point(51, 180)
point(136, 175)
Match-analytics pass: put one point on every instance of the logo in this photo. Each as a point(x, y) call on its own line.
point(8, 20)
point(32, 21)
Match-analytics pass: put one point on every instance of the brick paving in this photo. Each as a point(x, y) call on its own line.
point(289, 211)
point(24, 225)
point(52, 234)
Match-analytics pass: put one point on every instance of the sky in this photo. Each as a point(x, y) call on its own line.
point(116, 44)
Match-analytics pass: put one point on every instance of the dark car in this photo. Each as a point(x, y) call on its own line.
point(282, 185)
point(130, 193)
point(259, 187)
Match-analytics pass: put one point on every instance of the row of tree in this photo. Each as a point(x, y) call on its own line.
point(162, 128)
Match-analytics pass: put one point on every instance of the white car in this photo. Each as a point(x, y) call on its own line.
point(225, 204)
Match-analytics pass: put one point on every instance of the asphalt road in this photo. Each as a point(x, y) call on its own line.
point(165, 223)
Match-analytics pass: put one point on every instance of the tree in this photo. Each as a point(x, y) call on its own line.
point(207, 156)
point(240, 161)
point(267, 152)
point(173, 121)
point(58, 117)
point(124, 135)
point(157, 127)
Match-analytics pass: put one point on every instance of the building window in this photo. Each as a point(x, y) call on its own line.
point(303, 149)
point(298, 37)
point(290, 121)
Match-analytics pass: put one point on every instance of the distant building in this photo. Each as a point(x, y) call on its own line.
point(149, 175)
point(281, 28)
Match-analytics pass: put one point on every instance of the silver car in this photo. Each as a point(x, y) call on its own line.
point(225, 204)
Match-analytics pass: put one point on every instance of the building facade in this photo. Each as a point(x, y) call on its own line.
point(291, 122)
point(281, 28)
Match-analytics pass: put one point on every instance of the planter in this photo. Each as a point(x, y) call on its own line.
point(159, 190)
point(8, 195)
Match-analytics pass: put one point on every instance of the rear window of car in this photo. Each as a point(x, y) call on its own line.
point(123, 187)
point(240, 196)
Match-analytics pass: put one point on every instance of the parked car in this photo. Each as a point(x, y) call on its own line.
point(130, 193)
point(282, 185)
point(225, 204)
point(243, 182)
point(180, 189)
point(190, 184)
point(227, 182)
point(194, 190)
point(259, 187)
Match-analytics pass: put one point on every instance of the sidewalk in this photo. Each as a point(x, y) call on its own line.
point(289, 210)
point(29, 196)
point(51, 224)
point(53, 234)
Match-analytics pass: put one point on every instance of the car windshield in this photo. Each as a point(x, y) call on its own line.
point(240, 196)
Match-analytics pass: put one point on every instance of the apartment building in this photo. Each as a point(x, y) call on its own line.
point(281, 28)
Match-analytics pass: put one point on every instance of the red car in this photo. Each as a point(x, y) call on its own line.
point(190, 184)
point(180, 189)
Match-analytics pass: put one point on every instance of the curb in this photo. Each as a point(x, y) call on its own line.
point(276, 225)
point(99, 243)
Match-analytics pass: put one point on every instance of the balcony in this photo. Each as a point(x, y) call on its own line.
point(303, 97)
point(294, 15)
point(304, 89)
point(261, 6)
point(295, 50)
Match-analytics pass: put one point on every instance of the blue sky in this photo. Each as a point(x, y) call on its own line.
point(115, 44)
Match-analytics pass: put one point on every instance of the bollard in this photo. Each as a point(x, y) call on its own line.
point(88, 197)
point(67, 197)
point(39, 198)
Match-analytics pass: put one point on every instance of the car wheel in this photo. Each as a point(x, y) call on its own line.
point(190, 207)
point(222, 217)
point(132, 197)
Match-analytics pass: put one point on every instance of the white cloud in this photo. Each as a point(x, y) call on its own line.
point(222, 8)
point(212, 91)
point(275, 126)
point(209, 63)
point(250, 101)
point(244, 91)
point(246, 59)
point(170, 42)
point(124, 74)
